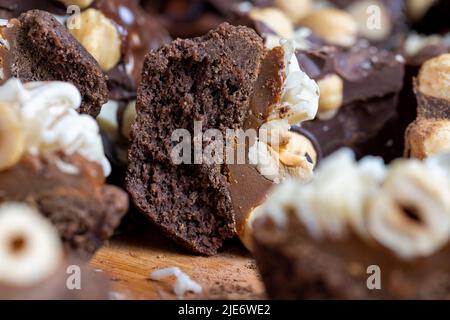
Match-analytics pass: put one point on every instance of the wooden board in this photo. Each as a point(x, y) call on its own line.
point(127, 262)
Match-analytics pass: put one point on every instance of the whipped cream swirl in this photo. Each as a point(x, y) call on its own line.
point(48, 111)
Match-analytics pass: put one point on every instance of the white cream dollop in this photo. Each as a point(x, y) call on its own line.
point(48, 111)
point(300, 93)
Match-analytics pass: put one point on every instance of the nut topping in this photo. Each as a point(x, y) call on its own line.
point(100, 38)
point(334, 25)
point(12, 137)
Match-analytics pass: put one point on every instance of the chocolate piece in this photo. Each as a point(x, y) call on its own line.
point(366, 127)
point(210, 79)
point(294, 266)
point(367, 72)
point(141, 33)
point(358, 231)
point(365, 121)
point(41, 49)
point(13, 8)
point(84, 210)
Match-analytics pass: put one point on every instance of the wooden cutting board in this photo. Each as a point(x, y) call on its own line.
point(128, 260)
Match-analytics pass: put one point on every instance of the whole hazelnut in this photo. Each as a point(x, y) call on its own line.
point(427, 137)
point(81, 3)
point(434, 77)
point(129, 117)
point(12, 137)
point(295, 9)
point(331, 93)
point(100, 38)
point(275, 19)
point(333, 25)
point(373, 19)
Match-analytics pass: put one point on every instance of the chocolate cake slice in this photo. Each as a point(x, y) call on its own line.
point(358, 231)
point(36, 47)
point(208, 79)
point(52, 158)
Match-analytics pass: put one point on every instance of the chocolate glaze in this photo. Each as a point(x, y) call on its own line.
point(141, 32)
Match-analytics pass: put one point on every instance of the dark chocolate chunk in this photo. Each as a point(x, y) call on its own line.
point(367, 72)
point(366, 127)
point(14, 8)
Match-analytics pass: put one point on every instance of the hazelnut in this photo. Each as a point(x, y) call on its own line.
point(434, 77)
point(81, 3)
point(333, 25)
point(30, 247)
point(275, 19)
point(246, 233)
point(410, 213)
point(107, 119)
point(12, 137)
point(373, 19)
point(129, 117)
point(427, 137)
point(416, 9)
point(298, 148)
point(331, 93)
point(295, 9)
point(100, 38)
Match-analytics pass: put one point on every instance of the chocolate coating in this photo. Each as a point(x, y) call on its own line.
point(367, 72)
point(141, 33)
point(14, 8)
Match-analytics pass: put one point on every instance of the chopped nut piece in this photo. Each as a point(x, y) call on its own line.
point(12, 137)
point(129, 117)
point(81, 3)
point(331, 93)
point(274, 19)
point(295, 9)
